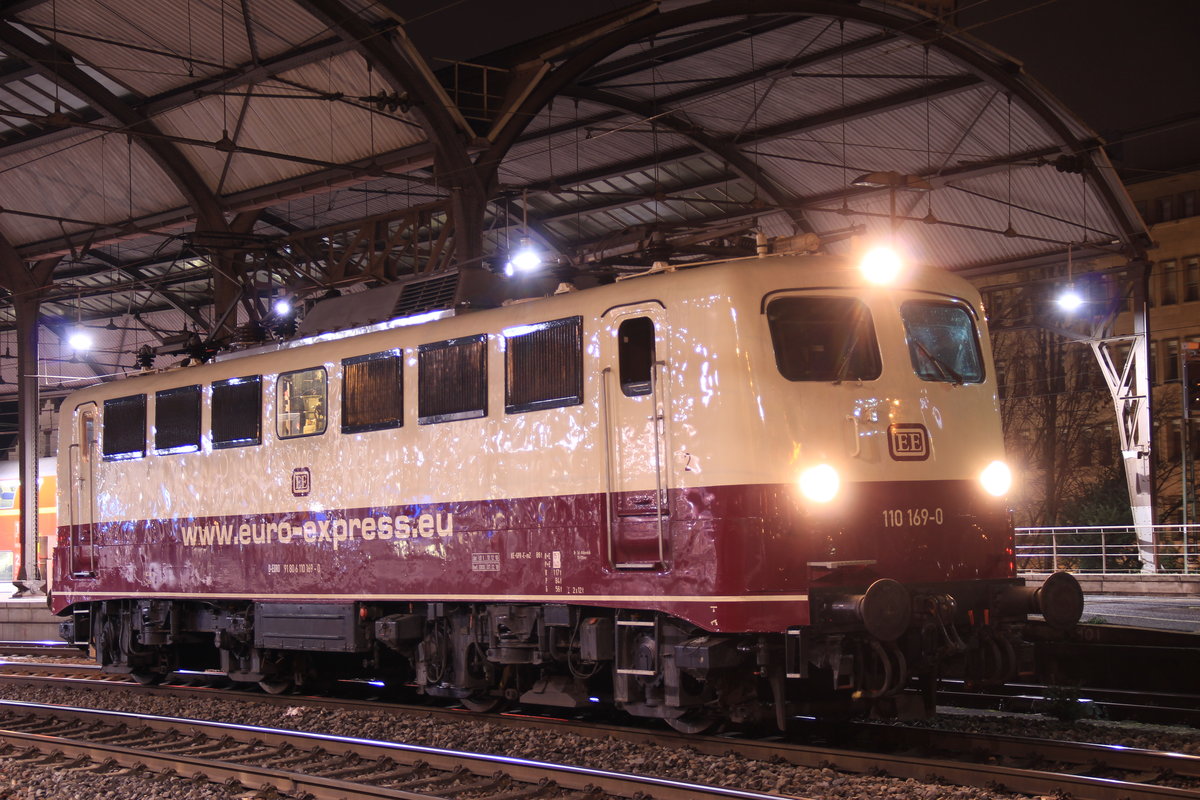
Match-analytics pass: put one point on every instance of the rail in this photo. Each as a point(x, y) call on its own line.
point(1106, 549)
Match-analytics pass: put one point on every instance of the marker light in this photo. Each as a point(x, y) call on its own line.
point(820, 483)
point(1070, 299)
point(79, 339)
point(996, 479)
point(880, 265)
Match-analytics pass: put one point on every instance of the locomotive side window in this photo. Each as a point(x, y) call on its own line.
point(300, 403)
point(124, 428)
point(942, 342)
point(372, 392)
point(452, 380)
point(177, 420)
point(543, 365)
point(635, 355)
point(237, 412)
point(823, 339)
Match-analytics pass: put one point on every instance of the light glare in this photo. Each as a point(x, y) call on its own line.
point(880, 266)
point(996, 479)
point(526, 259)
point(79, 339)
point(1070, 299)
point(820, 483)
point(283, 307)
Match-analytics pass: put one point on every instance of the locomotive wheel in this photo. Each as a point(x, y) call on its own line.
point(695, 722)
point(148, 678)
point(275, 685)
point(481, 703)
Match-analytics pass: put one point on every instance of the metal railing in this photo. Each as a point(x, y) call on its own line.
point(1108, 549)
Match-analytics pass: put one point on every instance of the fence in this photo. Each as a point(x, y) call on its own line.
point(1106, 549)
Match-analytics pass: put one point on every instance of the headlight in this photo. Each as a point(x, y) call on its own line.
point(881, 266)
point(820, 483)
point(996, 479)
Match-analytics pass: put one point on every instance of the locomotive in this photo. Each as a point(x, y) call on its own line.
point(730, 492)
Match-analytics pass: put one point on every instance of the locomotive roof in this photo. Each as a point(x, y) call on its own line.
point(662, 284)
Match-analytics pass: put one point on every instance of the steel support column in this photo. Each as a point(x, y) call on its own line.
point(1129, 382)
point(28, 286)
point(1139, 463)
point(29, 581)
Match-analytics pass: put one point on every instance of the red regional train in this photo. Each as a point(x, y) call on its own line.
point(10, 515)
point(726, 492)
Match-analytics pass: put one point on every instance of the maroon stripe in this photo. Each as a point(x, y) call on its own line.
point(719, 542)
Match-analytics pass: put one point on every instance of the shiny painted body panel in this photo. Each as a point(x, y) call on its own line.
point(513, 506)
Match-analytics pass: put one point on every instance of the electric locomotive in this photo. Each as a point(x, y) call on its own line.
point(716, 493)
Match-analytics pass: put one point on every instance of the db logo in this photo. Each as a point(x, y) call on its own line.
point(908, 441)
point(301, 481)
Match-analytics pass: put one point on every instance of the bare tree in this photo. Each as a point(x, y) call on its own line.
point(1051, 400)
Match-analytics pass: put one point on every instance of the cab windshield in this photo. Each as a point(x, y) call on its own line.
point(942, 342)
point(823, 339)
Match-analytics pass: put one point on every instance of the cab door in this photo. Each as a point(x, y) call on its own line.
point(81, 500)
point(636, 414)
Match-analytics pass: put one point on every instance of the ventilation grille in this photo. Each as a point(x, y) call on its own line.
point(430, 294)
point(414, 296)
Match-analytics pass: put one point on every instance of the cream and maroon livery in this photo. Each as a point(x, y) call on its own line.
point(648, 530)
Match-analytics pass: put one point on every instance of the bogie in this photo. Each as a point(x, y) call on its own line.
point(487, 656)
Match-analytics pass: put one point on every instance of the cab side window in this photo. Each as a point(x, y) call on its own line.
point(635, 355)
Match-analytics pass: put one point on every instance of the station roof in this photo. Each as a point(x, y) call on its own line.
point(322, 134)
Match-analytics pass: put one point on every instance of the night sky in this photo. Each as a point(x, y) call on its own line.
point(1129, 68)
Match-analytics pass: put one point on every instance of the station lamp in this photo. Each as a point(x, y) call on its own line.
point(1070, 300)
point(526, 258)
point(80, 339)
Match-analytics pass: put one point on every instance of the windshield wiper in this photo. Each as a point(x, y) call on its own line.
point(944, 368)
point(839, 374)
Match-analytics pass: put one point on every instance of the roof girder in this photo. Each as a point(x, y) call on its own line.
point(627, 200)
point(724, 150)
point(927, 32)
point(140, 277)
point(55, 63)
point(712, 88)
point(784, 129)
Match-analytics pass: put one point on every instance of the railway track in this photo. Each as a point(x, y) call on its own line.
point(55, 649)
point(1016, 764)
point(303, 764)
point(1168, 708)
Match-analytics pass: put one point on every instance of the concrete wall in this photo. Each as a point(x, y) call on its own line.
point(27, 621)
